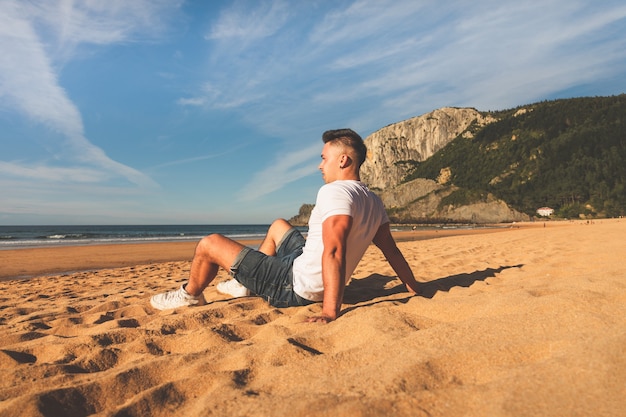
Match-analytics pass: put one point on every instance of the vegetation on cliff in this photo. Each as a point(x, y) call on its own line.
point(566, 154)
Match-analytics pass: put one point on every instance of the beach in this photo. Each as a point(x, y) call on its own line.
point(527, 320)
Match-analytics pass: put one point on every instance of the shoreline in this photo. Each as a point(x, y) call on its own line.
point(27, 263)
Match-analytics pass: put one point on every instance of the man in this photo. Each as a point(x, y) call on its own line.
point(288, 270)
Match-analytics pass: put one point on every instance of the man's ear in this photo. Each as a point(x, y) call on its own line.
point(345, 161)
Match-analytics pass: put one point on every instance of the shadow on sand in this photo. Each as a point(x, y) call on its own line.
point(374, 286)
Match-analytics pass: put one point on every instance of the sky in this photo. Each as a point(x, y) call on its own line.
point(211, 112)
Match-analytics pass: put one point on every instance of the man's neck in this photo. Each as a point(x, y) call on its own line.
point(350, 176)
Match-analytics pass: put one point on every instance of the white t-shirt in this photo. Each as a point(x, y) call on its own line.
point(350, 198)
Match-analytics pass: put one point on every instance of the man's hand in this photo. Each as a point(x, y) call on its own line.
point(319, 319)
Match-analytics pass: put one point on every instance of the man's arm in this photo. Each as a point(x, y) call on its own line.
point(335, 231)
point(386, 243)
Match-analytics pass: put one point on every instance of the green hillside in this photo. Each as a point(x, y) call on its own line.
point(566, 154)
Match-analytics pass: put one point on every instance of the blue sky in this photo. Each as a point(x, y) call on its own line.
point(166, 111)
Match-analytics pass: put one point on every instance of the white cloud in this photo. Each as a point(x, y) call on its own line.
point(286, 168)
point(71, 23)
point(49, 174)
point(366, 19)
point(192, 101)
point(199, 158)
point(488, 55)
point(29, 83)
point(27, 80)
point(245, 23)
point(70, 202)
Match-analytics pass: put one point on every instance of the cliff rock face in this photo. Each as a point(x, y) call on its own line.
point(394, 149)
point(406, 193)
point(494, 211)
point(420, 201)
point(302, 218)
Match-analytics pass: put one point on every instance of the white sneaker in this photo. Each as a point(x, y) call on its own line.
point(233, 287)
point(176, 298)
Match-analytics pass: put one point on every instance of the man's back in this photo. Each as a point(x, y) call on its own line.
point(350, 198)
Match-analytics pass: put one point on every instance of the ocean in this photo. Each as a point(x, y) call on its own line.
point(19, 237)
point(16, 237)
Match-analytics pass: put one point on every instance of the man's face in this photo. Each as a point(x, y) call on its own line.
point(331, 162)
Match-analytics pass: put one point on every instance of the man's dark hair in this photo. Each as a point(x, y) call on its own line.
point(350, 139)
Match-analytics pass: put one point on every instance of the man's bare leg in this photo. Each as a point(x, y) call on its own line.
point(216, 251)
point(272, 239)
point(212, 252)
point(274, 236)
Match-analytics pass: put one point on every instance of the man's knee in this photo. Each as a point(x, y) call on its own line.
point(206, 243)
point(281, 226)
point(281, 223)
point(218, 249)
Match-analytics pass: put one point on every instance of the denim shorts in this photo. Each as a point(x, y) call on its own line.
point(271, 277)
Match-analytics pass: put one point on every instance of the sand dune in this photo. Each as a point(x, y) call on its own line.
point(530, 321)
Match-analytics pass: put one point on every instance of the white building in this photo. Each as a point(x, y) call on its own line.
point(545, 211)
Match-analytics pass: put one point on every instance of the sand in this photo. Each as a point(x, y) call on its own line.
point(529, 321)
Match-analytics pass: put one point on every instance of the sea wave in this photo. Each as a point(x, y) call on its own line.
point(10, 242)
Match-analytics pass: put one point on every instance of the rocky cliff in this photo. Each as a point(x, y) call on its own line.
point(424, 201)
point(395, 149)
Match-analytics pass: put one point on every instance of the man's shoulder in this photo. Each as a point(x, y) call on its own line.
point(345, 185)
point(349, 192)
point(339, 189)
point(332, 190)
